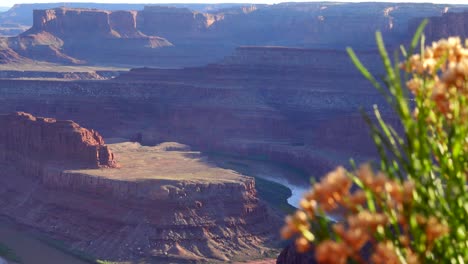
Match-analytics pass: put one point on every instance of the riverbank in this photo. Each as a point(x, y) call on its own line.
point(278, 184)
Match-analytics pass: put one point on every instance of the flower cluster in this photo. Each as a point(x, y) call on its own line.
point(413, 210)
point(445, 63)
point(361, 224)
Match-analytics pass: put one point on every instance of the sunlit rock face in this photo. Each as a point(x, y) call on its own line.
point(163, 203)
point(174, 23)
point(194, 38)
point(45, 139)
point(77, 22)
point(77, 36)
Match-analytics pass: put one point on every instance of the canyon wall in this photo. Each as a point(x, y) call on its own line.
point(91, 23)
point(79, 35)
point(287, 112)
point(193, 38)
point(21, 13)
point(160, 205)
point(174, 23)
point(46, 139)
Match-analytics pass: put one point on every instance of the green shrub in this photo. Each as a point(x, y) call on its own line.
point(415, 208)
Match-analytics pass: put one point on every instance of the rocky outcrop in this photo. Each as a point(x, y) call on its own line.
point(320, 25)
point(174, 23)
point(165, 204)
point(64, 22)
point(196, 38)
point(78, 35)
point(7, 55)
point(290, 111)
point(45, 140)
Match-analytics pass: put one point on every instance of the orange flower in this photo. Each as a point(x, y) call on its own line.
point(355, 237)
point(331, 252)
point(435, 229)
point(331, 190)
point(302, 244)
point(367, 220)
point(385, 254)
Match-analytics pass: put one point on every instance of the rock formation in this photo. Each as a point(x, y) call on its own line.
point(24, 136)
point(78, 35)
point(20, 14)
point(174, 23)
point(194, 38)
point(163, 204)
point(63, 22)
point(284, 111)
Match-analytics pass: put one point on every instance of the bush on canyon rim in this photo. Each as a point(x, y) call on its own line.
point(415, 208)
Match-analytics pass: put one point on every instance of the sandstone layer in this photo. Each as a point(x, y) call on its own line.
point(191, 37)
point(21, 13)
point(174, 23)
point(26, 138)
point(77, 35)
point(291, 111)
point(162, 204)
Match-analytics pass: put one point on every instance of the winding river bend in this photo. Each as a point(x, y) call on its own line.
point(293, 179)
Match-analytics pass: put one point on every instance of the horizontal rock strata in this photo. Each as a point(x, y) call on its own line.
point(48, 139)
point(161, 204)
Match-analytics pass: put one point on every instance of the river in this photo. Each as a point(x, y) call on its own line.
point(295, 180)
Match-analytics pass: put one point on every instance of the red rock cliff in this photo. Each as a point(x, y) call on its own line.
point(90, 22)
point(162, 205)
point(173, 22)
point(62, 21)
point(75, 36)
point(46, 139)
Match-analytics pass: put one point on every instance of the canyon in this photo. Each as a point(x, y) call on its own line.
point(54, 173)
point(72, 36)
point(281, 112)
point(237, 86)
point(176, 36)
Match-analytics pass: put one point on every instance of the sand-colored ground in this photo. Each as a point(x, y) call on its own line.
point(168, 161)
